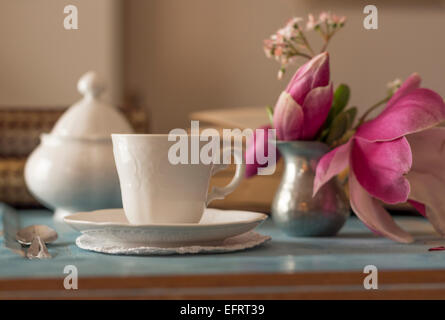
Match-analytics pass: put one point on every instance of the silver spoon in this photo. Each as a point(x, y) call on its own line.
point(35, 237)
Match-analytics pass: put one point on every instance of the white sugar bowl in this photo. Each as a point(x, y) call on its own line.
point(73, 168)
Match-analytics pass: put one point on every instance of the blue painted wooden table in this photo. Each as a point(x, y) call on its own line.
point(279, 267)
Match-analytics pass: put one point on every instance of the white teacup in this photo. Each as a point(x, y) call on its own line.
point(156, 191)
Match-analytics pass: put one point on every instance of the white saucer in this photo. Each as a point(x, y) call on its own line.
point(215, 226)
point(244, 241)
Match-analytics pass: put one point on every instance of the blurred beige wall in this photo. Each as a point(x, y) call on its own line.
point(183, 56)
point(40, 61)
point(179, 56)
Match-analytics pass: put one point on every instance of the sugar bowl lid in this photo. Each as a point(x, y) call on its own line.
point(90, 117)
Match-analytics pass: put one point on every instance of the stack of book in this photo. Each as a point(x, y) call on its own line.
point(255, 193)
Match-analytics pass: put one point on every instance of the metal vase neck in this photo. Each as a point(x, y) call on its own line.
point(305, 149)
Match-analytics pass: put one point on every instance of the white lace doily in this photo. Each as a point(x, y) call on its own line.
point(244, 241)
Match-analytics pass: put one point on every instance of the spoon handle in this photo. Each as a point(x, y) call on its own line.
point(38, 249)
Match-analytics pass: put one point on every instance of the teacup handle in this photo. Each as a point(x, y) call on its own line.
point(222, 192)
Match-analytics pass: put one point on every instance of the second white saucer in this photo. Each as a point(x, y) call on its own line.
point(215, 226)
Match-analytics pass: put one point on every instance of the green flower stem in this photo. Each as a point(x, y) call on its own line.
point(322, 34)
point(323, 49)
point(308, 46)
point(304, 55)
point(327, 38)
point(372, 108)
point(301, 54)
point(348, 135)
point(298, 53)
point(269, 111)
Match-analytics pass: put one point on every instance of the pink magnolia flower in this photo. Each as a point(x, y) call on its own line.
point(300, 111)
point(303, 107)
point(396, 157)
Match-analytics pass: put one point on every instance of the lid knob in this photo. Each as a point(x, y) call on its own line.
point(90, 117)
point(90, 84)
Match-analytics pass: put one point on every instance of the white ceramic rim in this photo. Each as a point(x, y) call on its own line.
point(98, 138)
point(107, 139)
point(161, 135)
point(69, 219)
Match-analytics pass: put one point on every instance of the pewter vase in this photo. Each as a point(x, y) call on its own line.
point(294, 210)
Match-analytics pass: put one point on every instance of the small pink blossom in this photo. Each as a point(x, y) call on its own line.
point(290, 41)
point(291, 29)
point(337, 20)
point(312, 23)
point(324, 17)
point(332, 20)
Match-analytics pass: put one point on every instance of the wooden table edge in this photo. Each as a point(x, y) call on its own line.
point(394, 284)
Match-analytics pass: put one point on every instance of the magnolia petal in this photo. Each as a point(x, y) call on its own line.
point(316, 108)
point(427, 176)
point(331, 164)
point(373, 214)
point(420, 207)
point(429, 190)
point(410, 84)
point(258, 145)
point(428, 151)
point(288, 118)
point(380, 167)
point(416, 111)
point(313, 74)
